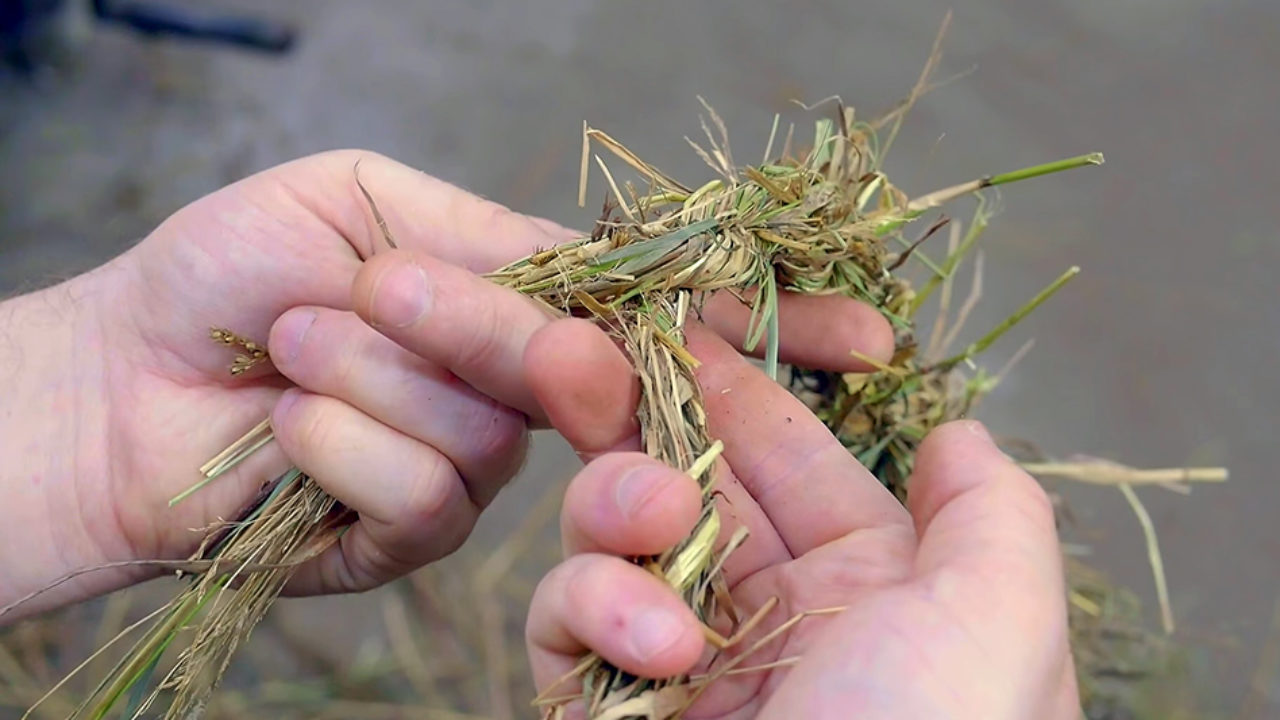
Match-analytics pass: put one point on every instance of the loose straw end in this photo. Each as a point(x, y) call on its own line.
point(704, 461)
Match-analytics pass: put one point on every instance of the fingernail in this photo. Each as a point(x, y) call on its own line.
point(653, 631)
point(401, 296)
point(291, 330)
point(637, 487)
point(978, 429)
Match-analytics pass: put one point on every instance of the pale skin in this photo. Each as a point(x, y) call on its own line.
point(951, 607)
point(417, 383)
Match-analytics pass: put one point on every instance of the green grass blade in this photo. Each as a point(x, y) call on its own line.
point(946, 195)
point(822, 134)
point(986, 341)
point(641, 255)
point(977, 226)
point(771, 349)
point(1048, 168)
point(139, 693)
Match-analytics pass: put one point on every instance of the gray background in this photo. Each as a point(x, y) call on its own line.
point(1159, 354)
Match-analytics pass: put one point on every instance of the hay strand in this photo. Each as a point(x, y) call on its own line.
point(1153, 556)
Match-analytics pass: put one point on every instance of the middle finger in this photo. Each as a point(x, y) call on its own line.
point(334, 353)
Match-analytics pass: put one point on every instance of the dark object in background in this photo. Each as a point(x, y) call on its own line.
point(37, 32)
point(159, 19)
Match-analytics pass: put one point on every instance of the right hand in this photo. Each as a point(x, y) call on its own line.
point(954, 607)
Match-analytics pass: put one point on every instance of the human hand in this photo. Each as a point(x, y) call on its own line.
point(953, 607)
point(113, 393)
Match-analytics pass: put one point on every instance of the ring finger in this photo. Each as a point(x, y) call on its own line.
point(412, 504)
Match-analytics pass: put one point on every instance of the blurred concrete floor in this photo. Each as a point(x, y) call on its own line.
point(1161, 353)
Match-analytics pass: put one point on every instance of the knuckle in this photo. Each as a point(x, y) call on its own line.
point(358, 571)
point(429, 492)
point(345, 575)
point(377, 566)
point(479, 344)
point(546, 599)
point(494, 432)
point(447, 544)
point(470, 210)
point(308, 426)
point(314, 433)
point(576, 576)
point(494, 215)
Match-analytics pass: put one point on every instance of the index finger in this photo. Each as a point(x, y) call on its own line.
point(808, 484)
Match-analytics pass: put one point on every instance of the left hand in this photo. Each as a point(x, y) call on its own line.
point(113, 395)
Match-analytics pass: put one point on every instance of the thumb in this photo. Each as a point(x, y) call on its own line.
point(989, 551)
point(972, 506)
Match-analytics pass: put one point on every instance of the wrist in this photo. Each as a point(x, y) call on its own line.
point(52, 439)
